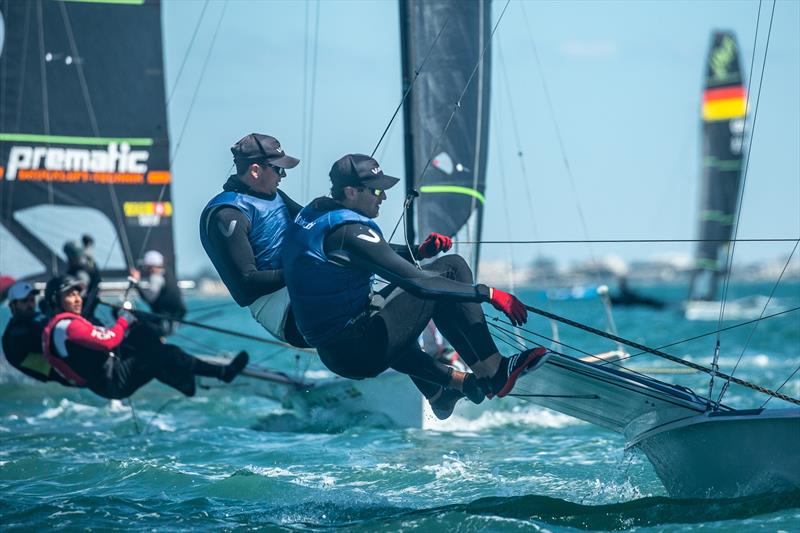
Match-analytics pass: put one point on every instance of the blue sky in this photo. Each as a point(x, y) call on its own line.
point(625, 82)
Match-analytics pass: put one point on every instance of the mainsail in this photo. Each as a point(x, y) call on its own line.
point(83, 133)
point(723, 116)
point(451, 191)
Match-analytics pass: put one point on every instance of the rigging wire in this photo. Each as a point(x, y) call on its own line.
point(199, 84)
point(659, 353)
point(755, 326)
point(457, 104)
point(559, 137)
point(304, 110)
point(796, 370)
point(417, 72)
point(740, 197)
point(713, 332)
point(45, 111)
point(308, 138)
point(510, 333)
point(120, 221)
point(456, 107)
point(209, 327)
point(188, 52)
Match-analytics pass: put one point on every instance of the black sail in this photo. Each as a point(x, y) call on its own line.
point(83, 125)
point(723, 119)
point(452, 189)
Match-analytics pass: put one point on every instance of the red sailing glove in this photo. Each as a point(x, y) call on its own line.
point(434, 244)
point(510, 305)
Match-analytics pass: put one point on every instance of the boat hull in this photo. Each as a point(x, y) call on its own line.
point(326, 400)
point(726, 455)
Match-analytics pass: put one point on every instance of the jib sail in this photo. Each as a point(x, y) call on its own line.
point(452, 189)
point(84, 146)
point(723, 119)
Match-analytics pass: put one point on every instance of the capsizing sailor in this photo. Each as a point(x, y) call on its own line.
point(242, 231)
point(330, 255)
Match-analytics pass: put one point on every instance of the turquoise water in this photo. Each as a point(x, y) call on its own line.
point(71, 461)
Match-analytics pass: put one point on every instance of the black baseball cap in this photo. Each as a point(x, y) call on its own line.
point(259, 147)
point(359, 170)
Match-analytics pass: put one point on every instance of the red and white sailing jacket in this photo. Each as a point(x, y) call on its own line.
point(78, 349)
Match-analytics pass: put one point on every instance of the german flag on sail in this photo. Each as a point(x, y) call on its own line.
point(724, 103)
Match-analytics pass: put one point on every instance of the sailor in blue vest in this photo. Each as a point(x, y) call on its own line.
point(330, 255)
point(242, 230)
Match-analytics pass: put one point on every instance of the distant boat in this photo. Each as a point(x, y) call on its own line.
point(723, 119)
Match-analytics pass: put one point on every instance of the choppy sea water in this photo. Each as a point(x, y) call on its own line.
point(228, 460)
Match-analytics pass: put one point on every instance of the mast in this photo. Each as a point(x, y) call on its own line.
point(407, 55)
point(84, 144)
point(723, 122)
point(452, 190)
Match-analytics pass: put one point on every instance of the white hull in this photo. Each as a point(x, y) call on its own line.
point(389, 400)
point(695, 453)
point(607, 396)
point(726, 454)
point(748, 308)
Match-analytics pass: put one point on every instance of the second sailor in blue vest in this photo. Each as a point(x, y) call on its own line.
point(330, 256)
point(242, 231)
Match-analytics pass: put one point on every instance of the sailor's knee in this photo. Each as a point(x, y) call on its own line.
point(456, 265)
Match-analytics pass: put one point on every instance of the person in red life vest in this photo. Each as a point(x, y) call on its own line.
point(110, 363)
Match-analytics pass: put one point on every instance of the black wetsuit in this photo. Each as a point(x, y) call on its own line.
point(22, 346)
point(387, 335)
point(232, 255)
point(164, 297)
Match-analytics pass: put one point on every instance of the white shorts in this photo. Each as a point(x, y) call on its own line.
point(271, 310)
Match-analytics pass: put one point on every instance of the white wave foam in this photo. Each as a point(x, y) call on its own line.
point(66, 406)
point(518, 416)
point(305, 479)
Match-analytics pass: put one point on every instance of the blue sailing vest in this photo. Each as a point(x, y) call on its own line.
point(325, 297)
point(269, 220)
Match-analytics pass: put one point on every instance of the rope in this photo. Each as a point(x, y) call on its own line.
point(612, 241)
point(714, 332)
point(782, 384)
point(660, 353)
point(755, 327)
point(232, 333)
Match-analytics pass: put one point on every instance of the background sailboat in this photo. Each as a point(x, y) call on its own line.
point(84, 144)
point(723, 118)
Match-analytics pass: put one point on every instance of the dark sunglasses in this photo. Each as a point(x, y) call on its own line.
point(279, 170)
